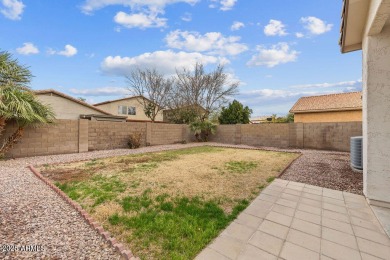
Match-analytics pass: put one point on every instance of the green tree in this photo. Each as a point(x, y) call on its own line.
point(235, 113)
point(202, 130)
point(18, 102)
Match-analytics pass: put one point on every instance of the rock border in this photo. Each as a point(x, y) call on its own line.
point(119, 247)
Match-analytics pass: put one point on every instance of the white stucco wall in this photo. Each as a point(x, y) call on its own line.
point(376, 115)
point(65, 108)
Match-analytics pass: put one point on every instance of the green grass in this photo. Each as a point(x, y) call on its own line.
point(271, 179)
point(179, 227)
point(99, 188)
point(240, 166)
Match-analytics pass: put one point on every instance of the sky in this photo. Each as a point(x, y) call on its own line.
point(278, 50)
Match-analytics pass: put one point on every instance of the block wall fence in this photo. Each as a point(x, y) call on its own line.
point(76, 136)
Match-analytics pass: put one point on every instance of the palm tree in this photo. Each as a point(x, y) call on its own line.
point(18, 102)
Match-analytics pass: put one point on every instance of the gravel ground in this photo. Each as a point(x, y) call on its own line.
point(32, 214)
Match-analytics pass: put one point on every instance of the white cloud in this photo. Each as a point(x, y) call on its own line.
point(164, 61)
point(237, 26)
point(315, 25)
point(139, 20)
point(212, 42)
point(225, 5)
point(153, 5)
point(69, 51)
point(187, 17)
point(348, 84)
point(299, 35)
point(275, 27)
point(27, 49)
point(104, 91)
point(277, 54)
point(12, 9)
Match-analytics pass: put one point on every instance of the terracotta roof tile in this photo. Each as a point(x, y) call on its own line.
point(331, 102)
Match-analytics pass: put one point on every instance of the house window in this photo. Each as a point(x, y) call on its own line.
point(125, 110)
point(131, 111)
point(122, 110)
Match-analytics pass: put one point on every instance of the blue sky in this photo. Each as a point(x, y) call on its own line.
point(279, 50)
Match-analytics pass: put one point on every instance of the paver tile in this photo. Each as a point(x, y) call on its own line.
point(249, 220)
point(257, 210)
point(290, 197)
point(333, 201)
point(253, 253)
point(293, 252)
point(272, 192)
point(313, 187)
point(371, 235)
point(337, 225)
point(361, 214)
point(297, 184)
point(306, 227)
point(373, 225)
point(335, 215)
point(334, 208)
point(304, 240)
point(279, 218)
point(287, 203)
point(283, 210)
point(335, 194)
point(369, 257)
point(339, 237)
point(338, 252)
point(239, 231)
point(274, 229)
point(292, 192)
point(373, 248)
point(267, 197)
point(310, 202)
point(227, 246)
point(310, 209)
point(209, 253)
point(309, 217)
point(312, 191)
point(267, 242)
point(311, 196)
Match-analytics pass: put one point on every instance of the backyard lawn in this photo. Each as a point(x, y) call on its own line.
point(169, 205)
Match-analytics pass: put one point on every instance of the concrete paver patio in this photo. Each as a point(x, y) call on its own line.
point(291, 220)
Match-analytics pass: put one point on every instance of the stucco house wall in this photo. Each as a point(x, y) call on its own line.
point(65, 108)
point(323, 117)
point(376, 114)
point(112, 108)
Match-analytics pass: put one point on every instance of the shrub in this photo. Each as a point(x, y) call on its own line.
point(134, 140)
point(202, 130)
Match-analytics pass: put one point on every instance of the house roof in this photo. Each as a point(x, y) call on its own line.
point(52, 91)
point(331, 102)
point(120, 99)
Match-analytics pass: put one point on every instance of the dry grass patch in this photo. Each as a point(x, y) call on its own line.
point(169, 204)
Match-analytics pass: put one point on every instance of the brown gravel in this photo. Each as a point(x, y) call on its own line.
point(326, 169)
point(33, 214)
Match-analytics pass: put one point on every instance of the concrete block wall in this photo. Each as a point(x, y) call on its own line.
point(72, 136)
point(113, 135)
point(330, 136)
point(168, 134)
point(274, 135)
point(58, 138)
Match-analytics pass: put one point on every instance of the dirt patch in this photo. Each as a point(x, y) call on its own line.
point(325, 169)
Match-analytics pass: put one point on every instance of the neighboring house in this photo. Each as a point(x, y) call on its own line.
point(67, 107)
point(365, 26)
point(261, 119)
point(132, 107)
point(343, 107)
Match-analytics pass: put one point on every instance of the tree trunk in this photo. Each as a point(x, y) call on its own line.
point(11, 141)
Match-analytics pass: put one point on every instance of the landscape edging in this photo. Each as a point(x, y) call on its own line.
point(120, 248)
